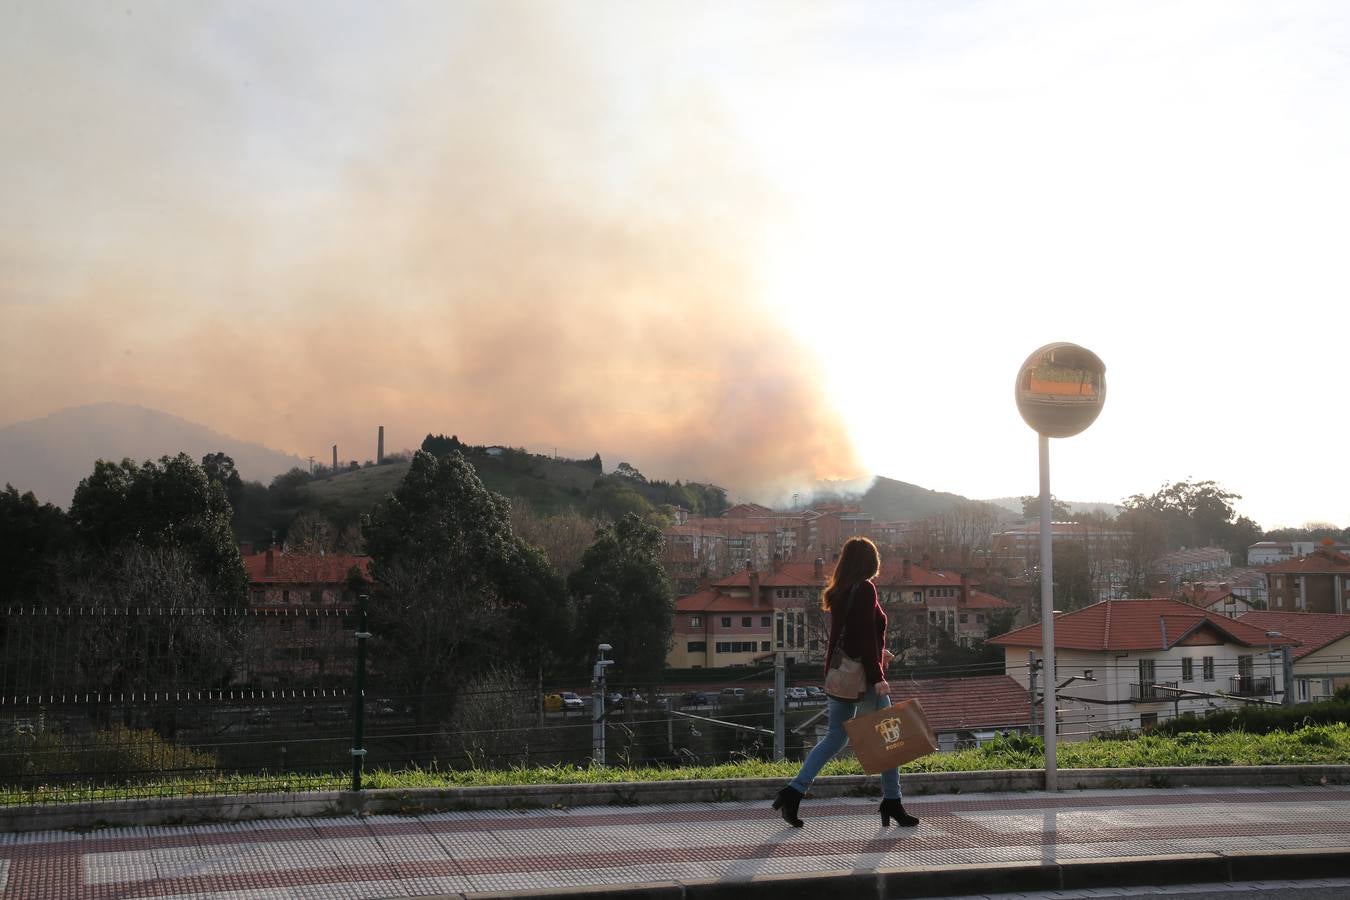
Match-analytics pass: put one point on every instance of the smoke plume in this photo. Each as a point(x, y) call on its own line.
point(506, 222)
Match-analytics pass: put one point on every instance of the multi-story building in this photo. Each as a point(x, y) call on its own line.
point(1019, 549)
point(1322, 658)
point(1124, 664)
point(736, 620)
point(1193, 564)
point(1316, 583)
point(1265, 553)
point(302, 604)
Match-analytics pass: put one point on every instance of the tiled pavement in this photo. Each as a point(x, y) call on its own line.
point(549, 850)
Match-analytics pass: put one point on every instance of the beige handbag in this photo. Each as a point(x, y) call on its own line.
point(845, 679)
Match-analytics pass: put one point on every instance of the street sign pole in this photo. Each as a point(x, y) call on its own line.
point(1048, 716)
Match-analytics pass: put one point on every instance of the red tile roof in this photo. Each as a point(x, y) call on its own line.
point(712, 601)
point(1135, 625)
point(981, 600)
point(1313, 630)
point(966, 704)
point(788, 575)
point(304, 568)
point(1319, 562)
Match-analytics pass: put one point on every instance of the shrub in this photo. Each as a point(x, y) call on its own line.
point(1259, 719)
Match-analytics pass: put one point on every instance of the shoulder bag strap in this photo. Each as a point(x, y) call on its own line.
point(848, 607)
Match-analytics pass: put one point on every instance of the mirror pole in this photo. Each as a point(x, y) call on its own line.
point(1048, 716)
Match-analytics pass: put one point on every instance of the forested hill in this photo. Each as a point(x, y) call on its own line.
point(545, 484)
point(889, 500)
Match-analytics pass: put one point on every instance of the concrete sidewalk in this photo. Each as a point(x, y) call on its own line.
point(965, 844)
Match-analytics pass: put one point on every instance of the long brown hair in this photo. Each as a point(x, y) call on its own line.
point(858, 561)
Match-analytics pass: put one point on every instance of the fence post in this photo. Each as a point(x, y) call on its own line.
point(359, 713)
point(1031, 687)
point(1287, 674)
point(779, 706)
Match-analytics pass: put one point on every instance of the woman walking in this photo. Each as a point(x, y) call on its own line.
point(858, 629)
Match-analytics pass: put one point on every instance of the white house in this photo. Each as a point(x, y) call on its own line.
point(1322, 659)
point(1126, 664)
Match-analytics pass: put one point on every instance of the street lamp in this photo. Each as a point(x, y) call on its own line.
point(598, 703)
point(1270, 657)
point(1060, 392)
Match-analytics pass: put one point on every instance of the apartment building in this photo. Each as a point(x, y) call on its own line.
point(1126, 664)
point(735, 620)
point(1316, 583)
point(302, 605)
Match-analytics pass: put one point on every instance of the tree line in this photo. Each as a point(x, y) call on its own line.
point(456, 590)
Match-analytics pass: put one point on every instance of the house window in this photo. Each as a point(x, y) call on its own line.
point(259, 597)
point(763, 646)
point(1207, 666)
point(918, 596)
point(285, 596)
point(745, 621)
point(316, 595)
point(764, 623)
point(1148, 720)
point(695, 621)
point(697, 647)
point(726, 621)
point(1302, 689)
point(1187, 669)
point(963, 618)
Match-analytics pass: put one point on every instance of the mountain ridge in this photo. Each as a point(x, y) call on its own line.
point(49, 455)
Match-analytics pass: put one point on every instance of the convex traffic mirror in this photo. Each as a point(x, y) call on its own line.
point(1061, 389)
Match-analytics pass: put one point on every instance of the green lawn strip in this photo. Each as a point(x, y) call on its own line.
point(1318, 744)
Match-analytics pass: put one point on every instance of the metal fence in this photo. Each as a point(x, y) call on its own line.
point(140, 702)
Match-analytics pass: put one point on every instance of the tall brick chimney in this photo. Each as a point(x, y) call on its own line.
point(269, 563)
point(820, 569)
point(379, 447)
point(754, 588)
point(965, 589)
point(905, 570)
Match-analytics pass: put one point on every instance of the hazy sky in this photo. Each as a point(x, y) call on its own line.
point(753, 243)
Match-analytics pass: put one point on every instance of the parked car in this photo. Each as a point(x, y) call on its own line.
point(695, 698)
point(564, 700)
point(814, 692)
point(734, 693)
point(796, 693)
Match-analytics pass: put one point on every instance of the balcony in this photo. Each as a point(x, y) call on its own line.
point(1152, 692)
point(1250, 685)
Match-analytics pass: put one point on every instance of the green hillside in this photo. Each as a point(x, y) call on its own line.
point(546, 484)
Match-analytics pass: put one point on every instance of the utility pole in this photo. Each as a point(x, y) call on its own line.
point(598, 704)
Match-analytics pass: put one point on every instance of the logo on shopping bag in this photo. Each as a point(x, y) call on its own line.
point(889, 729)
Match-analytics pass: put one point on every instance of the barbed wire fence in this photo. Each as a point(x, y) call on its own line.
point(125, 702)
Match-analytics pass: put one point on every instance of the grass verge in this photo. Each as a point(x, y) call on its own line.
point(1316, 744)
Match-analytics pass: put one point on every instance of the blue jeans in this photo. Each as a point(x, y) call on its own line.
point(840, 711)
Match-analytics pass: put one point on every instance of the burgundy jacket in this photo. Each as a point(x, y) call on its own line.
point(866, 636)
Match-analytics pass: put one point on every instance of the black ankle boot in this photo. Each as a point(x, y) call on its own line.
point(894, 809)
point(787, 801)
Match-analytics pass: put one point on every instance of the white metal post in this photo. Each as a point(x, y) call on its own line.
point(1050, 721)
point(779, 706)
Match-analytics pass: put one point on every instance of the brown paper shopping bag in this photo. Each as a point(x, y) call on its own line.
point(890, 736)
